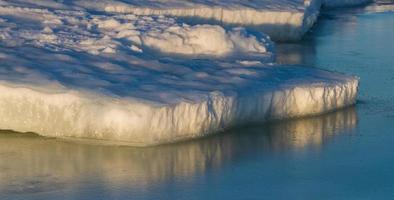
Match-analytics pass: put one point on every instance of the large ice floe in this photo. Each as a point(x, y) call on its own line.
point(67, 71)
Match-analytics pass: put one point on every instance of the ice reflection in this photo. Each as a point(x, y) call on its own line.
point(31, 164)
point(305, 52)
point(295, 53)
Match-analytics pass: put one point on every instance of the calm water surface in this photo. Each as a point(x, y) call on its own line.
point(342, 155)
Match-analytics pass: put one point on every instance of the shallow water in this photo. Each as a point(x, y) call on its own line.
point(342, 155)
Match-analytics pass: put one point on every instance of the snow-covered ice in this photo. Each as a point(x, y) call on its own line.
point(67, 70)
point(128, 99)
point(282, 20)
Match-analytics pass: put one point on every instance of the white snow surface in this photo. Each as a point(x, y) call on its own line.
point(67, 70)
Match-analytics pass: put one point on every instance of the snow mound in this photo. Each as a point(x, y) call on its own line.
point(108, 34)
point(203, 40)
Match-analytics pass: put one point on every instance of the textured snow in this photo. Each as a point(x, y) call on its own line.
point(282, 20)
point(95, 34)
point(203, 40)
point(67, 70)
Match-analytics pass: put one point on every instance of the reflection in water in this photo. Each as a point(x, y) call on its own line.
point(300, 133)
point(32, 164)
point(305, 52)
point(295, 53)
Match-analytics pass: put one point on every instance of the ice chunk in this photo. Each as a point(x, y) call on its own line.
point(70, 73)
point(202, 40)
point(143, 101)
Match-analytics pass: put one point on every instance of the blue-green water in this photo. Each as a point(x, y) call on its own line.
point(347, 154)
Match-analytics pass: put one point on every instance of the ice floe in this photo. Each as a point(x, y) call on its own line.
point(141, 101)
point(123, 75)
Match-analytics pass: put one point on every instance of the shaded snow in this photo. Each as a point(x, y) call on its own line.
point(281, 19)
point(203, 40)
point(80, 31)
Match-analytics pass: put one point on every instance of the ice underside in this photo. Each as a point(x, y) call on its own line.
point(69, 71)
